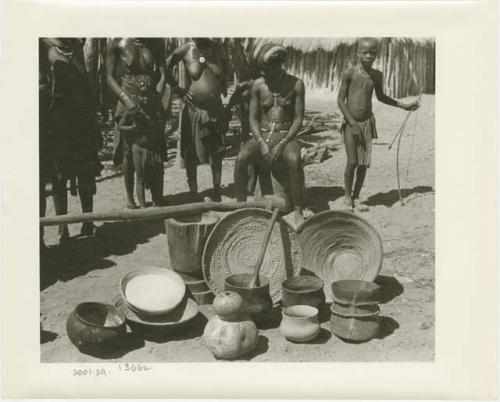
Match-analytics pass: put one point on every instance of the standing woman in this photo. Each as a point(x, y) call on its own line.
point(203, 120)
point(75, 135)
point(276, 115)
point(135, 69)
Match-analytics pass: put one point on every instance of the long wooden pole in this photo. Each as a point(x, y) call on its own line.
point(160, 212)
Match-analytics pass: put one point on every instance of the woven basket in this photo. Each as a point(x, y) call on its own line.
point(234, 243)
point(339, 245)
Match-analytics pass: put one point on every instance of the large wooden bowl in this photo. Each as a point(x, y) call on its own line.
point(168, 286)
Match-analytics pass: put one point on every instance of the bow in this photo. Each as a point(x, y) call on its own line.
point(399, 133)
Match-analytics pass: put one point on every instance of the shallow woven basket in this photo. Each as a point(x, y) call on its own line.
point(339, 245)
point(234, 243)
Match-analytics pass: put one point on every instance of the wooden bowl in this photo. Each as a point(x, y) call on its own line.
point(358, 326)
point(356, 292)
point(92, 325)
point(256, 300)
point(152, 291)
point(305, 289)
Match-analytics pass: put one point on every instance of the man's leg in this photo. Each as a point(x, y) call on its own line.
point(248, 153)
point(191, 173)
point(138, 155)
point(351, 165)
point(157, 176)
point(128, 176)
point(292, 160)
point(43, 208)
point(216, 166)
point(360, 178)
point(86, 190)
point(60, 197)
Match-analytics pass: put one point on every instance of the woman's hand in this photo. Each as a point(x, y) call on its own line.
point(264, 150)
point(185, 94)
point(277, 150)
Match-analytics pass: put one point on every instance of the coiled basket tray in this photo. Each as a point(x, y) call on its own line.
point(234, 243)
point(339, 245)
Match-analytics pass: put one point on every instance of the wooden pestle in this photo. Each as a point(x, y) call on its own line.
point(263, 247)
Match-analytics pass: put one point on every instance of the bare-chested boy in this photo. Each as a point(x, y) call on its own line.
point(355, 102)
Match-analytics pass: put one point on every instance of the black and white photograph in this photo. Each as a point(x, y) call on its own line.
point(249, 199)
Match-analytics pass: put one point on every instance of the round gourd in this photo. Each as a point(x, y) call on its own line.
point(230, 339)
point(227, 305)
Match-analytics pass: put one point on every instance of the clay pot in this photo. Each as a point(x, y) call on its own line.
point(300, 323)
point(354, 323)
point(94, 325)
point(356, 292)
point(255, 300)
point(305, 289)
point(232, 334)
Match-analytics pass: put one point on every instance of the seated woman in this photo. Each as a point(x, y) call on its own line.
point(276, 114)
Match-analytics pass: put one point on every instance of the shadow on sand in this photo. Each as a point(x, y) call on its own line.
point(81, 255)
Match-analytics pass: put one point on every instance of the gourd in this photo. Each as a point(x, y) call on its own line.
point(231, 333)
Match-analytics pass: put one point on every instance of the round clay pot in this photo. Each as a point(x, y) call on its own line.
point(255, 300)
point(93, 325)
point(305, 290)
point(300, 323)
point(359, 324)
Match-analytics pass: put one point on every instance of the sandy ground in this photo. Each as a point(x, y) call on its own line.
point(89, 269)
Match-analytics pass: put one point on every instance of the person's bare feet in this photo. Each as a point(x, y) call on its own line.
point(298, 217)
point(361, 206)
point(88, 229)
point(348, 204)
point(131, 205)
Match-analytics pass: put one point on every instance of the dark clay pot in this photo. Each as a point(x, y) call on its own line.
point(93, 325)
point(303, 290)
point(255, 300)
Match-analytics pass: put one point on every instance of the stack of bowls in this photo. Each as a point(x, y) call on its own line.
point(197, 288)
point(355, 310)
point(155, 296)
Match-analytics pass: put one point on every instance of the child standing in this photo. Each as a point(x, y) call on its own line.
point(355, 102)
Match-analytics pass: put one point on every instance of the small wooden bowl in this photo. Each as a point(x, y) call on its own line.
point(255, 300)
point(305, 289)
point(175, 287)
point(356, 292)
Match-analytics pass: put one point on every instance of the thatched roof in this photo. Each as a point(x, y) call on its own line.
point(308, 45)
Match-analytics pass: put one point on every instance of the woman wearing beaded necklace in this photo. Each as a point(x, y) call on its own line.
point(203, 120)
point(276, 115)
point(136, 74)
